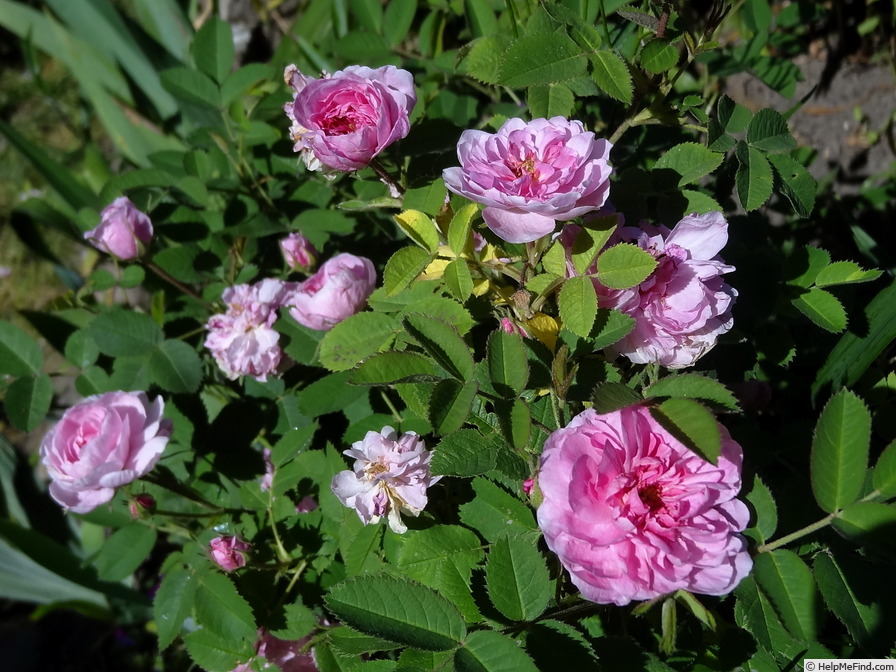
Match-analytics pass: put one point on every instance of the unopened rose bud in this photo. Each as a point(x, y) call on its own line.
point(229, 552)
point(299, 254)
point(142, 505)
point(123, 230)
point(512, 327)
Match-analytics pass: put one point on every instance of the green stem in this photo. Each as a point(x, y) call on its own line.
point(282, 555)
point(395, 189)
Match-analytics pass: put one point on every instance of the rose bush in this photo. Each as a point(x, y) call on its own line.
point(340, 122)
point(531, 175)
point(634, 514)
point(123, 230)
point(339, 289)
point(101, 443)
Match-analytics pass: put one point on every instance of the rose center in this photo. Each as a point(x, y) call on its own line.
point(651, 496)
point(342, 125)
point(377, 468)
point(521, 167)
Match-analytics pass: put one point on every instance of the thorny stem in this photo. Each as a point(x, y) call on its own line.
point(395, 189)
point(176, 283)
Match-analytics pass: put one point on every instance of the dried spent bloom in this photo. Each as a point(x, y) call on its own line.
point(338, 290)
point(390, 475)
point(123, 230)
point(682, 308)
point(242, 339)
point(287, 655)
point(531, 175)
point(633, 514)
point(341, 121)
point(229, 552)
point(101, 443)
point(298, 252)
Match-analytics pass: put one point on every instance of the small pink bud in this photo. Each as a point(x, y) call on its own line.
point(299, 254)
point(229, 552)
point(528, 484)
point(512, 327)
point(123, 230)
point(142, 505)
point(307, 505)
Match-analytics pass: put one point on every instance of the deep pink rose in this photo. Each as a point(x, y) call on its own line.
point(341, 121)
point(338, 290)
point(288, 655)
point(123, 230)
point(530, 175)
point(684, 305)
point(299, 253)
point(101, 443)
point(390, 475)
point(633, 514)
point(229, 552)
point(242, 339)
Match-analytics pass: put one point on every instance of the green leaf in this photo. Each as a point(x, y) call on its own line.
point(545, 58)
point(788, 582)
point(419, 228)
point(690, 161)
point(458, 279)
point(839, 456)
point(516, 422)
point(450, 405)
point(844, 273)
point(191, 86)
point(122, 333)
point(238, 82)
point(610, 397)
point(483, 60)
point(460, 239)
point(464, 453)
point(823, 308)
point(403, 268)
point(658, 56)
point(443, 344)
point(216, 653)
point(481, 17)
point(397, 20)
point(795, 182)
point(369, 13)
point(222, 610)
point(765, 518)
point(755, 613)
point(28, 400)
point(494, 511)
point(212, 49)
point(733, 117)
point(360, 547)
point(860, 619)
point(578, 305)
point(753, 178)
point(609, 327)
point(592, 238)
point(329, 395)
point(80, 349)
point(394, 367)
point(869, 524)
point(174, 366)
point(853, 354)
point(693, 386)
point(355, 338)
point(124, 551)
point(804, 265)
point(173, 603)
point(398, 610)
point(884, 478)
point(550, 100)
point(612, 76)
point(490, 651)
point(19, 353)
point(517, 578)
point(508, 366)
point(692, 424)
point(768, 132)
point(624, 265)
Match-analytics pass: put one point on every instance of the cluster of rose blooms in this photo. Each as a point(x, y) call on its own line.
point(630, 511)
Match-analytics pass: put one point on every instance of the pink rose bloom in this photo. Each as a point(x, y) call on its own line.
point(390, 475)
point(242, 339)
point(288, 655)
point(684, 305)
point(229, 552)
point(341, 121)
point(298, 252)
point(123, 230)
point(633, 514)
point(530, 175)
point(101, 443)
point(338, 290)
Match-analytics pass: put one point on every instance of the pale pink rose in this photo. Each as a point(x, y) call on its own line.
point(684, 305)
point(531, 175)
point(341, 121)
point(101, 443)
point(390, 476)
point(307, 504)
point(288, 655)
point(633, 514)
point(229, 552)
point(123, 230)
point(338, 290)
point(242, 339)
point(298, 252)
